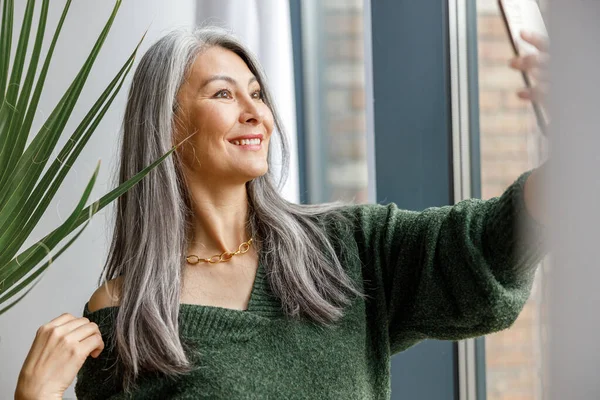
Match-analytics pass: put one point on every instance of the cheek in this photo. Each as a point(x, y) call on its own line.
point(214, 119)
point(269, 121)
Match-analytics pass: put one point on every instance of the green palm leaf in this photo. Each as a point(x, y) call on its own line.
point(13, 271)
point(24, 193)
point(12, 232)
point(5, 42)
point(23, 284)
point(32, 256)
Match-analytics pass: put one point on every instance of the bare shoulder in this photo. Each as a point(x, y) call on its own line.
point(106, 295)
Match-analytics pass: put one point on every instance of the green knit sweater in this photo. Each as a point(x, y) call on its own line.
point(450, 272)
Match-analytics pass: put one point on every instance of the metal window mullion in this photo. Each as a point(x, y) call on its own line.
point(369, 103)
point(312, 103)
point(461, 161)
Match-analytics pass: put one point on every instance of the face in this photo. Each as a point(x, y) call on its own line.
point(221, 101)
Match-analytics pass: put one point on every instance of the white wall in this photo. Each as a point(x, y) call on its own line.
point(68, 284)
point(573, 191)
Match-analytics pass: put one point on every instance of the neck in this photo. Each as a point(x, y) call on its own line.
point(220, 219)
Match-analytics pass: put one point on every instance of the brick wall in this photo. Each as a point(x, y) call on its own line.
point(508, 148)
point(344, 85)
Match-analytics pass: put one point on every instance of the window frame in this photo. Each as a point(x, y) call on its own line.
point(459, 369)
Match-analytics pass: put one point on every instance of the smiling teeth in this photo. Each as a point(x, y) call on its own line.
point(245, 142)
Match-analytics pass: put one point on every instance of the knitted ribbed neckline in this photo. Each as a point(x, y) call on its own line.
point(211, 323)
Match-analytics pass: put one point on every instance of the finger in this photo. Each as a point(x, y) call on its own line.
point(83, 331)
point(539, 41)
point(539, 75)
point(43, 334)
point(67, 339)
point(92, 345)
point(71, 326)
point(95, 353)
point(62, 319)
point(526, 62)
point(539, 60)
point(536, 94)
point(524, 94)
point(51, 335)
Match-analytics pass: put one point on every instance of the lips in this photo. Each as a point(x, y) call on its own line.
point(251, 136)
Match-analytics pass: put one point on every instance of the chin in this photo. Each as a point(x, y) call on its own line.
point(253, 173)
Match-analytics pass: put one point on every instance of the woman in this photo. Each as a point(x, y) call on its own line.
point(300, 301)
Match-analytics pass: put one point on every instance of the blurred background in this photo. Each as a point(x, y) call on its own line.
point(410, 102)
point(510, 362)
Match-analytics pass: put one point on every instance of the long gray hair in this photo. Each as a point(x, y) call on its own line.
point(153, 219)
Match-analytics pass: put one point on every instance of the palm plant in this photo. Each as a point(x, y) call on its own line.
point(24, 192)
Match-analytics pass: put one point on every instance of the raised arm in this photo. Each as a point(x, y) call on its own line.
point(450, 272)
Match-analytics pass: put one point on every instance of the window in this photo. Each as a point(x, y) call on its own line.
point(510, 143)
point(334, 100)
point(497, 141)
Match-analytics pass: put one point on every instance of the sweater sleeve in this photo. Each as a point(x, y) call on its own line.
point(449, 272)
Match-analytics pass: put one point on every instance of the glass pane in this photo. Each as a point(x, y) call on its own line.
point(510, 144)
point(335, 100)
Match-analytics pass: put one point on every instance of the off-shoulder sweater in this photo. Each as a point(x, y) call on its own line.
point(450, 272)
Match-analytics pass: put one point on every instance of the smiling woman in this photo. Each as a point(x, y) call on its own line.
point(212, 197)
point(316, 298)
point(232, 125)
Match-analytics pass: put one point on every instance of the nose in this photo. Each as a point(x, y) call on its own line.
point(251, 112)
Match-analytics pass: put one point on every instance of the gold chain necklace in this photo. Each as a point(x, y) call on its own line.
point(223, 257)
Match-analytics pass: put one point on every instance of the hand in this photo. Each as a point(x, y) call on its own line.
point(535, 66)
point(58, 352)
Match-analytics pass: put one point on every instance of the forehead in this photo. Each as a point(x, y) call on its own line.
point(219, 61)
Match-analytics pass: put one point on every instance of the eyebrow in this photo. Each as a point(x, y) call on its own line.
point(224, 78)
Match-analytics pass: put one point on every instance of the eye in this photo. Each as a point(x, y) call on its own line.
point(222, 92)
point(257, 94)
